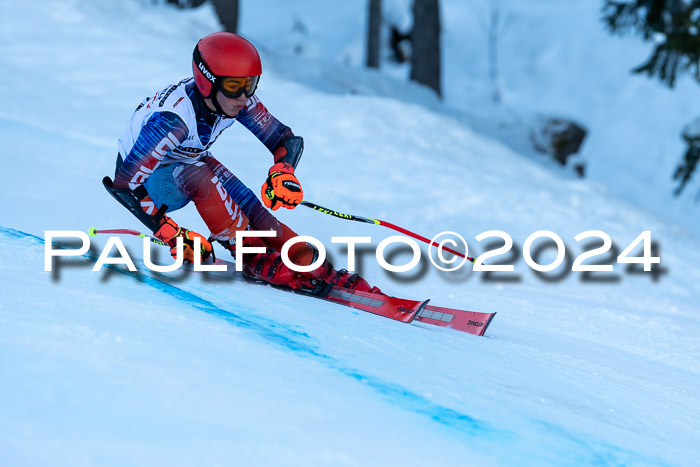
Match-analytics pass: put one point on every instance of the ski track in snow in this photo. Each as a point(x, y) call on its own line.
point(267, 330)
point(583, 448)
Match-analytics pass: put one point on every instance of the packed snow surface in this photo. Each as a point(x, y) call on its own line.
point(135, 368)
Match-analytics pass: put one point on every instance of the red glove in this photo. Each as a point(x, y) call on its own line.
point(168, 233)
point(281, 188)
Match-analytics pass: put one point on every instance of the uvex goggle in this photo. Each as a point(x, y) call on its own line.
point(235, 87)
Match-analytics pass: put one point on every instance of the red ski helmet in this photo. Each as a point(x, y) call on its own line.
point(224, 55)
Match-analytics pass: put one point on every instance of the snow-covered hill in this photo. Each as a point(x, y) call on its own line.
point(115, 368)
point(554, 58)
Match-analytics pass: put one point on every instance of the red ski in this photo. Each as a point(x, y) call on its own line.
point(462, 320)
point(399, 309)
point(395, 308)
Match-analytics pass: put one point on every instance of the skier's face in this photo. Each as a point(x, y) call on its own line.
point(231, 106)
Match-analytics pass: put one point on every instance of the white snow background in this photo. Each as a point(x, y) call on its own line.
point(114, 368)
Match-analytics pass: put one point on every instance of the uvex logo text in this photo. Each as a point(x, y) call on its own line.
point(207, 73)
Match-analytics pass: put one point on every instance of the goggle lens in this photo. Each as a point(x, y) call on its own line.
point(234, 87)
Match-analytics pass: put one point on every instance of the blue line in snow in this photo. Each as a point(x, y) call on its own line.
point(392, 392)
point(395, 393)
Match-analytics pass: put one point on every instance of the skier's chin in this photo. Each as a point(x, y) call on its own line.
point(232, 113)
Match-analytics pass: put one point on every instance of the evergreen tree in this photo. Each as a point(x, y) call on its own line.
point(674, 28)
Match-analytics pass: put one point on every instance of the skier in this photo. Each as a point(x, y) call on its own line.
point(164, 159)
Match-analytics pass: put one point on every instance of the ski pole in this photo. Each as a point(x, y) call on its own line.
point(368, 220)
point(93, 233)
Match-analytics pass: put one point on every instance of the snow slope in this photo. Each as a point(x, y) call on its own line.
point(117, 368)
point(554, 58)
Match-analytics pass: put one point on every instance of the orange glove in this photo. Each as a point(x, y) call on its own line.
point(281, 188)
point(168, 233)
